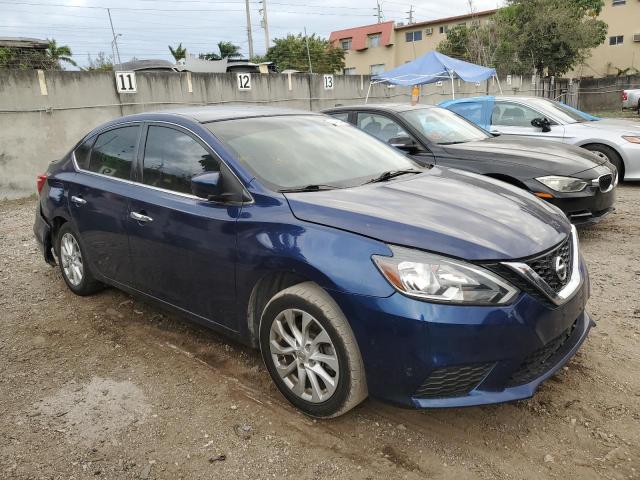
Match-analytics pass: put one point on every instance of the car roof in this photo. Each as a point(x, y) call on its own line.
point(390, 107)
point(215, 113)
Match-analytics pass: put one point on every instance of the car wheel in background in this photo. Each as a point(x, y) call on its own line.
point(608, 153)
point(73, 265)
point(311, 353)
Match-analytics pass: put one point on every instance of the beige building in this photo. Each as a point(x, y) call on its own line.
point(621, 49)
point(372, 49)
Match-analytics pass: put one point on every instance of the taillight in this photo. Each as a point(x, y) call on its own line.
point(40, 181)
point(625, 96)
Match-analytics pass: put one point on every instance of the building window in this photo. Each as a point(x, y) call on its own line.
point(616, 40)
point(377, 69)
point(615, 3)
point(462, 24)
point(374, 40)
point(428, 31)
point(349, 71)
point(345, 43)
point(444, 28)
point(413, 36)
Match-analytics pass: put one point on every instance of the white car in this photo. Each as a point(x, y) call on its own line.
point(631, 99)
point(614, 139)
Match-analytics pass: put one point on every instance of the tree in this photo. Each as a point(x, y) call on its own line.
point(227, 50)
point(178, 53)
point(291, 53)
point(57, 54)
point(542, 36)
point(101, 63)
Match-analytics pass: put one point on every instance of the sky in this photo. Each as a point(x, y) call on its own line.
point(147, 27)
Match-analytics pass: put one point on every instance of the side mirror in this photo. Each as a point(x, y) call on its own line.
point(207, 185)
point(542, 123)
point(406, 144)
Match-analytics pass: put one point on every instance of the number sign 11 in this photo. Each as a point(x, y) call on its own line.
point(126, 82)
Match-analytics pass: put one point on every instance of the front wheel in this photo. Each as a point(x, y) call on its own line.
point(311, 353)
point(73, 264)
point(607, 153)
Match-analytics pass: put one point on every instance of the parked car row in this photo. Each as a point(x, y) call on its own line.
point(343, 246)
point(578, 182)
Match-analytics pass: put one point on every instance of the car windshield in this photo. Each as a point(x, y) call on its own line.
point(443, 126)
point(557, 110)
point(295, 151)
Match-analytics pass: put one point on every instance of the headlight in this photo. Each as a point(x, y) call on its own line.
point(563, 184)
point(440, 279)
point(632, 138)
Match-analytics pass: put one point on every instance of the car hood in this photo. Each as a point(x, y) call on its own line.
point(541, 157)
point(447, 211)
point(616, 124)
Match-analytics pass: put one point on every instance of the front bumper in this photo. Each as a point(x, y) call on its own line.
point(426, 355)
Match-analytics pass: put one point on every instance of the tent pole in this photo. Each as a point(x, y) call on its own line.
point(453, 87)
point(499, 86)
point(366, 99)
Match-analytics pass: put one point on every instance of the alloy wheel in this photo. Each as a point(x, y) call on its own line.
point(304, 355)
point(602, 155)
point(71, 259)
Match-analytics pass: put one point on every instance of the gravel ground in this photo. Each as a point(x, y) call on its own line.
point(108, 386)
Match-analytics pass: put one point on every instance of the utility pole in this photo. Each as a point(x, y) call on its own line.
point(378, 10)
point(265, 25)
point(249, 34)
point(115, 38)
point(306, 39)
point(410, 13)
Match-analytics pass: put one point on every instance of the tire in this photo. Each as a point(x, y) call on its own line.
point(75, 270)
point(610, 154)
point(308, 304)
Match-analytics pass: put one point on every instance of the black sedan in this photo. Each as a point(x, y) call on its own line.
point(575, 180)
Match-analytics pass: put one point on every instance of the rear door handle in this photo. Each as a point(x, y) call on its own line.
point(139, 217)
point(78, 200)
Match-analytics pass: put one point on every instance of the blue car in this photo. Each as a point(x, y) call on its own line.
point(354, 270)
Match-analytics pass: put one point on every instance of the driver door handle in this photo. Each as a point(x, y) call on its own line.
point(78, 200)
point(139, 217)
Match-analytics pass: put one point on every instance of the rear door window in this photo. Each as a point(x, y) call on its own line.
point(380, 126)
point(344, 116)
point(83, 152)
point(114, 152)
point(472, 111)
point(172, 158)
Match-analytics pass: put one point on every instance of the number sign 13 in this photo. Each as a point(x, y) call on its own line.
point(126, 82)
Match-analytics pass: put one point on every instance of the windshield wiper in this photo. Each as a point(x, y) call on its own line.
point(389, 174)
point(309, 188)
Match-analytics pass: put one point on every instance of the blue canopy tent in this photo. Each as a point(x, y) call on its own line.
point(434, 67)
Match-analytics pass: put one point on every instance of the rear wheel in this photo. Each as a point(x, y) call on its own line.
point(311, 353)
point(607, 153)
point(73, 266)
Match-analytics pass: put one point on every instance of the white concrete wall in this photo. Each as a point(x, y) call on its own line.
point(36, 128)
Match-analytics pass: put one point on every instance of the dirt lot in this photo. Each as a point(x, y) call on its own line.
point(111, 387)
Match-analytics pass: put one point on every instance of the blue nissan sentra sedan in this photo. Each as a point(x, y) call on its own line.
point(354, 270)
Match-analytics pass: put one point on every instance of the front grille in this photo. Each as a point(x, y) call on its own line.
point(545, 265)
point(453, 381)
point(540, 361)
point(605, 182)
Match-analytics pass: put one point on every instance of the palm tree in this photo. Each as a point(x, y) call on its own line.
point(227, 50)
point(57, 54)
point(179, 52)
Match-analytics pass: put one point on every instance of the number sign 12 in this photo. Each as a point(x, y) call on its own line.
point(244, 81)
point(126, 82)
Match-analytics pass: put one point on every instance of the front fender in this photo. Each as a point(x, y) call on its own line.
point(271, 239)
